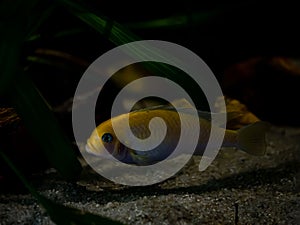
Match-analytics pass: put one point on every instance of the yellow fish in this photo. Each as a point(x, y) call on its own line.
point(250, 139)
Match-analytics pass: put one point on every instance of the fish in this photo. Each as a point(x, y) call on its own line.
point(103, 140)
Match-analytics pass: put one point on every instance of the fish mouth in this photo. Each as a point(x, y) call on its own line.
point(118, 153)
point(90, 148)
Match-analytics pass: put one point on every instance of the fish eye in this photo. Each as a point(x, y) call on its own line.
point(107, 138)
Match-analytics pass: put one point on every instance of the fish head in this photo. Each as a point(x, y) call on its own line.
point(104, 143)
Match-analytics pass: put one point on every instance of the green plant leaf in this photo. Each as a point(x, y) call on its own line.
point(18, 20)
point(195, 19)
point(58, 213)
point(44, 127)
point(119, 35)
point(110, 29)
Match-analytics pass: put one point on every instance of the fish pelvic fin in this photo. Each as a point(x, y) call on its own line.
point(141, 160)
point(252, 138)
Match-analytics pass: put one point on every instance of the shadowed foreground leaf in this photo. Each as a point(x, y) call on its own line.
point(44, 127)
point(58, 213)
point(119, 35)
point(19, 20)
point(179, 21)
point(15, 27)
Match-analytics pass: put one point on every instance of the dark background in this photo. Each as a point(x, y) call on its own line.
point(229, 34)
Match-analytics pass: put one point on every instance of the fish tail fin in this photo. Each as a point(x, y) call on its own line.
point(251, 138)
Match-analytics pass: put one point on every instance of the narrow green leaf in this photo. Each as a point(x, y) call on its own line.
point(58, 213)
point(107, 27)
point(195, 19)
point(68, 32)
point(37, 19)
point(9, 60)
point(119, 35)
point(18, 20)
point(18, 173)
point(44, 127)
point(69, 216)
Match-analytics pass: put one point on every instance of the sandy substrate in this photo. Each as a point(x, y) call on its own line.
point(236, 189)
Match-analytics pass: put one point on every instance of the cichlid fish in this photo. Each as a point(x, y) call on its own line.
point(250, 138)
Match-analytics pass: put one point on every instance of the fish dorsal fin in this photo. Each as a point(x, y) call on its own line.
point(182, 103)
point(183, 106)
point(155, 107)
point(218, 117)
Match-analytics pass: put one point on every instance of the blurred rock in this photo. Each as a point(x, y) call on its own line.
point(269, 86)
point(21, 149)
point(245, 117)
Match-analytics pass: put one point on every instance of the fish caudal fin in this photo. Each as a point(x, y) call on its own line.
point(251, 138)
